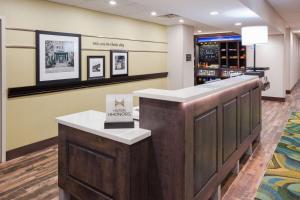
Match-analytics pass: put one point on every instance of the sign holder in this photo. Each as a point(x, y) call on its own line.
point(119, 112)
point(115, 125)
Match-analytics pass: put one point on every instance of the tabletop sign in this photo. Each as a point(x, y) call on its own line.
point(119, 111)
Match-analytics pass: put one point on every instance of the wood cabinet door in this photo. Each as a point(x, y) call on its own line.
point(205, 149)
point(229, 128)
point(245, 115)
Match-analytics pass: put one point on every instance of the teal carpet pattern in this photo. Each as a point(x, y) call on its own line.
point(282, 178)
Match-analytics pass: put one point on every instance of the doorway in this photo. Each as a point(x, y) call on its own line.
point(3, 93)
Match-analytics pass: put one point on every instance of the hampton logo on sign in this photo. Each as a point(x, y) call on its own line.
point(119, 108)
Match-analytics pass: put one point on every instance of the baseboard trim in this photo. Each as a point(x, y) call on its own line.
point(290, 91)
point(273, 99)
point(21, 151)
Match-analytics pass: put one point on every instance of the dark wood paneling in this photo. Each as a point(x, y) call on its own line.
point(166, 157)
point(99, 168)
point(229, 165)
point(205, 149)
point(73, 198)
point(256, 108)
point(42, 89)
point(139, 165)
point(172, 161)
point(245, 114)
point(229, 128)
point(21, 151)
point(106, 169)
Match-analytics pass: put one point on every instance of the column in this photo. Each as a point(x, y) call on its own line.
point(180, 56)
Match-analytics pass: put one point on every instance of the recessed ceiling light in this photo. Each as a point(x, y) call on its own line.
point(199, 31)
point(112, 2)
point(238, 24)
point(153, 13)
point(181, 21)
point(214, 13)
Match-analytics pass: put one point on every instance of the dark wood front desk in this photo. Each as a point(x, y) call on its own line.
point(196, 141)
point(103, 164)
point(196, 144)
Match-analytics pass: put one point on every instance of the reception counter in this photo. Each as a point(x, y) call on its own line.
point(187, 143)
point(98, 163)
point(198, 135)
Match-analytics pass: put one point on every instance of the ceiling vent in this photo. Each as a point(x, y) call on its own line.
point(169, 16)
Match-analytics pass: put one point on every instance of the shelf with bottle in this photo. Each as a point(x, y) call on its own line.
point(206, 65)
point(202, 80)
point(233, 68)
point(227, 73)
point(242, 56)
point(231, 56)
point(207, 73)
point(208, 69)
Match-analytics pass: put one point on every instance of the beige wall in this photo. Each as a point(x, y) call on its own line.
point(294, 57)
point(271, 55)
point(31, 119)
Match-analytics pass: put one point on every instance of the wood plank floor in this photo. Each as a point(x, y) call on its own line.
point(275, 116)
point(34, 176)
point(31, 177)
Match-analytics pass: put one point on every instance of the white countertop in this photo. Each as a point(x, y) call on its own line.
point(195, 92)
point(93, 122)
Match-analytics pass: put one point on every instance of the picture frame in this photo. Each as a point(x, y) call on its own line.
point(95, 67)
point(118, 63)
point(58, 58)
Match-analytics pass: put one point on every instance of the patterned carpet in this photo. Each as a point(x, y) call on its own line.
point(282, 178)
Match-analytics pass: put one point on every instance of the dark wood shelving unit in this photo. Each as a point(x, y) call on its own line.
point(221, 58)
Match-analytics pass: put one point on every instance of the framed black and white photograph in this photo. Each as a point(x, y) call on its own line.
point(58, 58)
point(118, 63)
point(96, 67)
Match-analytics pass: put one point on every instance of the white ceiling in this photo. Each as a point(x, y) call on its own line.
point(231, 11)
point(136, 10)
point(194, 12)
point(289, 10)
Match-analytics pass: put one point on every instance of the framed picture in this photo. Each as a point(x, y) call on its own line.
point(96, 67)
point(58, 58)
point(118, 63)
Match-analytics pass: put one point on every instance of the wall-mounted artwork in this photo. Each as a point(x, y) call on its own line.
point(96, 67)
point(118, 63)
point(58, 58)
